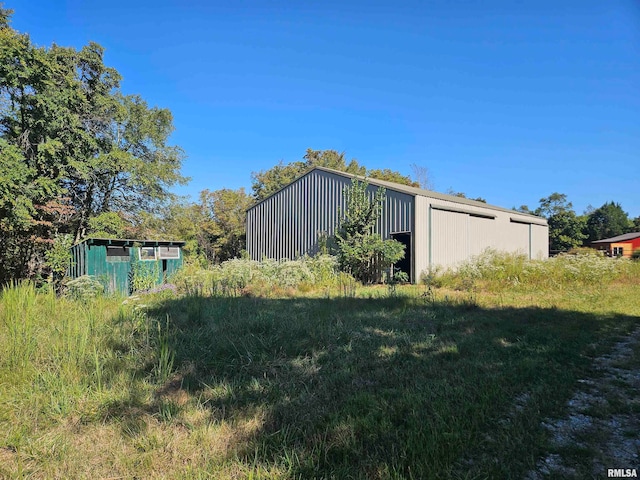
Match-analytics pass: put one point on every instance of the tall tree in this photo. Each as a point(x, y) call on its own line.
point(392, 176)
point(607, 221)
point(267, 182)
point(226, 213)
point(565, 227)
point(18, 192)
point(84, 148)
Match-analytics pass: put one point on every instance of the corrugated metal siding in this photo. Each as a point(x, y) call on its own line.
point(421, 238)
point(457, 236)
point(287, 225)
point(78, 261)
point(449, 237)
point(114, 274)
point(517, 238)
point(481, 232)
point(539, 242)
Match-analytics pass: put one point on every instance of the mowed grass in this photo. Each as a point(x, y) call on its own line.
point(404, 384)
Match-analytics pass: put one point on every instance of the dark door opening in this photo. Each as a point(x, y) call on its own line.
point(164, 270)
point(404, 265)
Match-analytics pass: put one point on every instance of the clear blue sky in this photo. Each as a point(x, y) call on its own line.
point(510, 101)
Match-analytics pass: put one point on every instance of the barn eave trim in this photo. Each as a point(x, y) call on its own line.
point(473, 213)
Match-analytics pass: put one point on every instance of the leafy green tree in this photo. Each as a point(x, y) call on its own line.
point(267, 182)
point(214, 228)
point(607, 221)
point(18, 192)
point(177, 220)
point(332, 159)
point(5, 16)
point(565, 231)
point(392, 176)
point(635, 227)
point(58, 259)
point(524, 209)
point(83, 148)
point(226, 213)
point(107, 225)
point(362, 252)
point(565, 227)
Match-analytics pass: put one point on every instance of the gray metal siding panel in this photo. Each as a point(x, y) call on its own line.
point(517, 238)
point(421, 237)
point(455, 240)
point(482, 232)
point(539, 242)
point(287, 224)
point(450, 237)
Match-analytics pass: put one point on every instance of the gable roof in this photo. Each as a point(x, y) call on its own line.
point(620, 238)
point(414, 191)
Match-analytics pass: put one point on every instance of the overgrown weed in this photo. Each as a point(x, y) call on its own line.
point(498, 271)
point(229, 379)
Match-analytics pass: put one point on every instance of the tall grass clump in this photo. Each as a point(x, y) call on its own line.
point(18, 341)
point(498, 270)
point(55, 357)
point(243, 276)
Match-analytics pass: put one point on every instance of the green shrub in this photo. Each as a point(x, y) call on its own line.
point(83, 288)
point(586, 251)
point(144, 275)
point(361, 252)
point(235, 277)
point(636, 255)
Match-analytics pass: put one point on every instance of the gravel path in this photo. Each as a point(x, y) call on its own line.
point(602, 428)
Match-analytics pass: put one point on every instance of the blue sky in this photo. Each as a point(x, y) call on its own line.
point(510, 101)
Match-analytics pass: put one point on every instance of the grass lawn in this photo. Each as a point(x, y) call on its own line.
point(382, 384)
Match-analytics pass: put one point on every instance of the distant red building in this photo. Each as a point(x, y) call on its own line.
point(620, 246)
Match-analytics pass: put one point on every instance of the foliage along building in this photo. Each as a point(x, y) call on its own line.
point(619, 246)
point(437, 230)
point(120, 263)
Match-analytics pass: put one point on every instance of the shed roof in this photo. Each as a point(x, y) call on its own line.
point(410, 191)
point(129, 242)
point(620, 238)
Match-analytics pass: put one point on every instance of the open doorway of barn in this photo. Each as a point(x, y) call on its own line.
point(403, 265)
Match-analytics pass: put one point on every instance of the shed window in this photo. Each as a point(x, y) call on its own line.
point(618, 251)
point(117, 254)
point(169, 252)
point(147, 253)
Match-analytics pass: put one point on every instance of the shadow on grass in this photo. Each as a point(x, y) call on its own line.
point(380, 388)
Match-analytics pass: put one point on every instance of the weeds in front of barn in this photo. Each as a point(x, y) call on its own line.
point(308, 380)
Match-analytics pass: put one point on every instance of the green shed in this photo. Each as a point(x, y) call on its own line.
point(120, 263)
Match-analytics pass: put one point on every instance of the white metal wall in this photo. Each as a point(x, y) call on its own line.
point(288, 224)
point(449, 236)
point(539, 241)
point(451, 233)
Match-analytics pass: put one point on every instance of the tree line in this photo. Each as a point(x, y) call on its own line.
point(568, 230)
point(81, 159)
